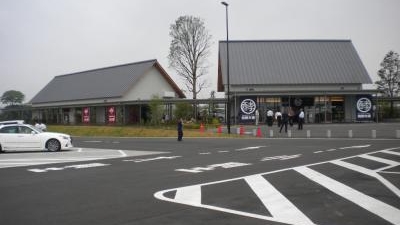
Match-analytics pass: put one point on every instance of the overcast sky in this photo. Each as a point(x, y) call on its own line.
point(40, 39)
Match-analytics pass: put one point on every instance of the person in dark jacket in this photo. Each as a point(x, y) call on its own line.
point(285, 120)
point(180, 129)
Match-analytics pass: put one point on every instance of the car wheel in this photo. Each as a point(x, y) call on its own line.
point(53, 145)
point(1, 149)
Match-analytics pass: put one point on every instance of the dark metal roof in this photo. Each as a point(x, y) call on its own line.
point(109, 82)
point(293, 62)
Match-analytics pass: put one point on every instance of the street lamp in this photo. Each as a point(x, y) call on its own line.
point(228, 105)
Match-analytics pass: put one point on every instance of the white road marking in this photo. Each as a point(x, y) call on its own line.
point(318, 152)
point(368, 172)
point(263, 188)
point(278, 205)
point(250, 148)
point(80, 166)
point(191, 194)
point(151, 159)
point(281, 157)
point(93, 141)
point(223, 151)
point(357, 146)
point(214, 166)
point(378, 159)
point(204, 153)
point(122, 153)
point(373, 205)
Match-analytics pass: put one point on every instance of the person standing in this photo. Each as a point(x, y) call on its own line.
point(285, 120)
point(270, 117)
point(257, 117)
point(301, 119)
point(180, 129)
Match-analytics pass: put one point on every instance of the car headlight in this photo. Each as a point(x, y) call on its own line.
point(65, 137)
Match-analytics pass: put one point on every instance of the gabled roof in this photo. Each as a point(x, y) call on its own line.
point(109, 82)
point(293, 62)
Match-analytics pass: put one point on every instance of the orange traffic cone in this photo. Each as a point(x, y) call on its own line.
point(241, 130)
point(219, 129)
point(201, 128)
point(259, 132)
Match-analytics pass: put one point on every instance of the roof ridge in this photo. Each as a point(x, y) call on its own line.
point(289, 40)
point(108, 67)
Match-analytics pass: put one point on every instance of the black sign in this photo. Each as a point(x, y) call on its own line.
point(364, 108)
point(248, 106)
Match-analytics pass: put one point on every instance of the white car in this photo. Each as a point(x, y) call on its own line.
point(27, 137)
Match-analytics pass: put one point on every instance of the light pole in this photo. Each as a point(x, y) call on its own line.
point(228, 105)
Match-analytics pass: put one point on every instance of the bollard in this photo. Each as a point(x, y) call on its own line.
point(289, 133)
point(238, 130)
point(350, 133)
point(271, 133)
point(397, 133)
point(308, 133)
point(373, 133)
point(328, 133)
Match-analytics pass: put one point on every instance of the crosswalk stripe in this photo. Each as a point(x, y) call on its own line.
point(381, 160)
point(375, 206)
point(368, 172)
point(278, 205)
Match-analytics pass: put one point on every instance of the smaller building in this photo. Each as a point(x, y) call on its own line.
point(118, 94)
point(323, 77)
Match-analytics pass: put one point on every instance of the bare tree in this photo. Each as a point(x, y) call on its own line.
point(188, 51)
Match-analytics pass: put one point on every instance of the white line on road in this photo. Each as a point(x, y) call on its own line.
point(373, 205)
point(277, 204)
point(250, 148)
point(122, 153)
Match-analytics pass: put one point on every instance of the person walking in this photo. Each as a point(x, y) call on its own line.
point(180, 129)
point(278, 118)
point(285, 120)
point(301, 119)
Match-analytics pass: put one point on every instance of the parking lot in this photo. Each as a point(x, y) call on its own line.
point(218, 180)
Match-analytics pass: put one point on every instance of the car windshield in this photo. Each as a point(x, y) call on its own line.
point(35, 129)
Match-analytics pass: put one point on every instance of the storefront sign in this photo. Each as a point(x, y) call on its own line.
point(364, 108)
point(248, 107)
point(111, 114)
point(86, 115)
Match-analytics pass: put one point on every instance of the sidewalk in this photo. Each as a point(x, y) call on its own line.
point(350, 130)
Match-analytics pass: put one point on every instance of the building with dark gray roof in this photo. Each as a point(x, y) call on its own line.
point(106, 95)
point(323, 77)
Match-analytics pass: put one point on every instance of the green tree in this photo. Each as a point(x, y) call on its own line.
point(389, 75)
point(12, 97)
point(156, 110)
point(183, 110)
point(188, 51)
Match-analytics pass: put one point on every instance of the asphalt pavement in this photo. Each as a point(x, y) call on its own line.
point(253, 181)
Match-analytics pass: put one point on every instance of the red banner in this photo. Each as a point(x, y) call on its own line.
point(111, 114)
point(86, 115)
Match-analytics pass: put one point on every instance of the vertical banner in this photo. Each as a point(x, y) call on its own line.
point(248, 106)
point(111, 114)
point(86, 115)
point(364, 108)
